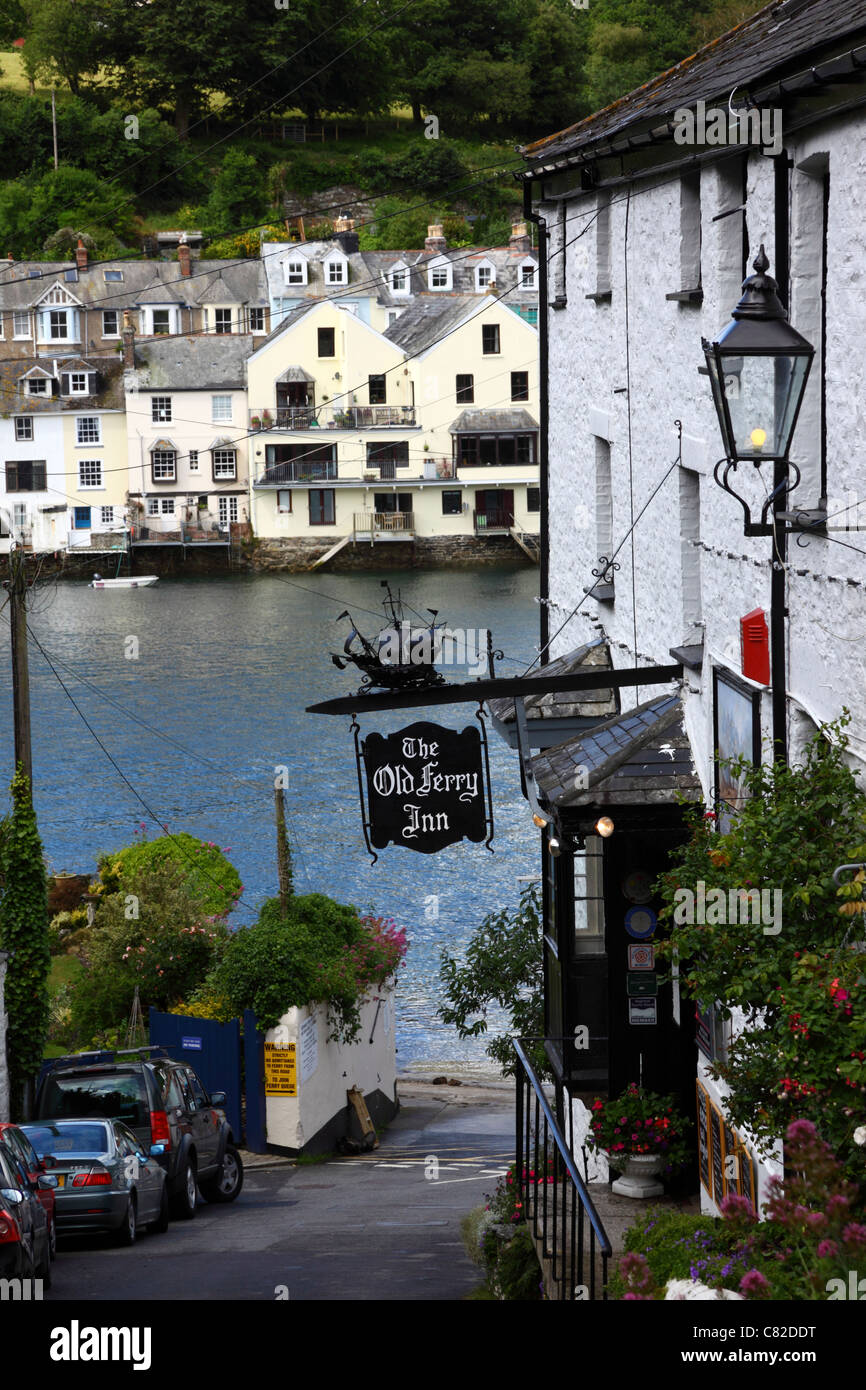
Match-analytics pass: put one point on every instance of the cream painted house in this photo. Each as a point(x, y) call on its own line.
point(426, 433)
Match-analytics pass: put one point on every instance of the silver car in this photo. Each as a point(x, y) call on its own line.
point(105, 1180)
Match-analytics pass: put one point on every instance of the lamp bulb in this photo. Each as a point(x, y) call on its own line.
point(604, 827)
point(758, 438)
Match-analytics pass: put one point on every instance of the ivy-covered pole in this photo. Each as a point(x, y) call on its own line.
point(285, 875)
point(24, 934)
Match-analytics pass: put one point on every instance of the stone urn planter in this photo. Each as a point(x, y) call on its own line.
point(639, 1176)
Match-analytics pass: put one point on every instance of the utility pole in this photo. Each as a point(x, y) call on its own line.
point(284, 857)
point(54, 127)
point(17, 585)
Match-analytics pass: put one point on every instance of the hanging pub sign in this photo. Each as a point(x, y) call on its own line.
point(425, 787)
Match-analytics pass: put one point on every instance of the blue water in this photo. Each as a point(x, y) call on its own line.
point(225, 667)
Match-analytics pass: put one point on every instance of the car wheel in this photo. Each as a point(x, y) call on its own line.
point(185, 1200)
point(228, 1181)
point(129, 1226)
point(161, 1222)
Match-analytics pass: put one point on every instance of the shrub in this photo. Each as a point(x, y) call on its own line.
point(212, 883)
point(319, 950)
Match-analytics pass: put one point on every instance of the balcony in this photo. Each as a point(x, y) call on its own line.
point(384, 526)
point(440, 469)
point(298, 471)
point(326, 417)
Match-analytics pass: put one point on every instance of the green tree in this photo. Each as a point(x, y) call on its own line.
point(63, 40)
point(153, 932)
point(212, 884)
point(503, 968)
point(24, 933)
point(238, 196)
point(796, 979)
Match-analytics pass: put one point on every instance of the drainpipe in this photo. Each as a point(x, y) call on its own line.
point(778, 609)
point(544, 561)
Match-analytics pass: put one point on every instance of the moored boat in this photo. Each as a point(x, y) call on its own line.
point(134, 581)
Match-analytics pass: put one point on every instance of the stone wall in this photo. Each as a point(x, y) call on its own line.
point(435, 552)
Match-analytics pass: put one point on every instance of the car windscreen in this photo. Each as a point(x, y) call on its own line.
point(69, 1141)
point(108, 1096)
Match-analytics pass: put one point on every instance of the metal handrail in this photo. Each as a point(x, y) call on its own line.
point(563, 1248)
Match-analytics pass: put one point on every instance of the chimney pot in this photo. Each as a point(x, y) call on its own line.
point(520, 240)
point(435, 241)
point(81, 255)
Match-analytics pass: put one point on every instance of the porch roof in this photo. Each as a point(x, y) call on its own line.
point(295, 374)
point(492, 422)
point(588, 704)
point(640, 756)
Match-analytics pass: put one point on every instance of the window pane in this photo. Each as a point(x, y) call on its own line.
point(520, 386)
point(465, 389)
point(452, 504)
point(326, 342)
point(377, 390)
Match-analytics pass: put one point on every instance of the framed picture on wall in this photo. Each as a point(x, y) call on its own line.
point(736, 733)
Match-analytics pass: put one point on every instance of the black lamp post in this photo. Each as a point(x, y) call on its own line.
point(758, 370)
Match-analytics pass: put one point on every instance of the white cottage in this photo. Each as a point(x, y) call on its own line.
point(651, 215)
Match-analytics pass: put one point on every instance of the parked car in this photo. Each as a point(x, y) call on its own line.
point(15, 1140)
point(24, 1247)
point(105, 1178)
point(162, 1102)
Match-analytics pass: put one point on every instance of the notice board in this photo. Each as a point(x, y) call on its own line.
point(281, 1070)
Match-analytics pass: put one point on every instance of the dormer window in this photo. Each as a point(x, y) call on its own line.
point(295, 271)
point(78, 384)
point(37, 386)
point(336, 270)
point(528, 272)
point(399, 278)
point(484, 275)
point(439, 274)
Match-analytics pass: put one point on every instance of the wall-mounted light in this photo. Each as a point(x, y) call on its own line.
point(604, 827)
point(540, 821)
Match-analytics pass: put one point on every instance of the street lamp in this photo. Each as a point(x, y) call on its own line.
point(758, 371)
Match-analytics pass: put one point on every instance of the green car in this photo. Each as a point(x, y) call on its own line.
point(105, 1180)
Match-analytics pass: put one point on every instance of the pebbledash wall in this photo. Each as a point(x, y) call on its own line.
point(618, 384)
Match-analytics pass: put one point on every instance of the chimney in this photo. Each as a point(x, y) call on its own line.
point(435, 241)
point(520, 240)
point(345, 234)
point(81, 255)
point(183, 257)
point(128, 339)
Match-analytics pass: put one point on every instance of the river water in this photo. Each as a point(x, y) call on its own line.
point(223, 670)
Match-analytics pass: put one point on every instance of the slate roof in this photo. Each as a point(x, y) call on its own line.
point(427, 320)
point(640, 757)
point(144, 282)
point(570, 704)
point(203, 362)
point(109, 396)
point(369, 271)
point(785, 40)
point(492, 422)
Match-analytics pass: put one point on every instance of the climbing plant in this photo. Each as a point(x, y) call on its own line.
point(24, 933)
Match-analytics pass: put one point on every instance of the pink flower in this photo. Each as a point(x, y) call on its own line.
point(827, 1250)
point(753, 1283)
point(854, 1234)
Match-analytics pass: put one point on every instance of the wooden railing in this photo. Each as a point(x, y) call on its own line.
point(368, 523)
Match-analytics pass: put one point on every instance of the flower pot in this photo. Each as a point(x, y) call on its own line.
point(639, 1175)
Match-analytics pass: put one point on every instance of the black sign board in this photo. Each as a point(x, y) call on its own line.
point(704, 1138)
point(427, 787)
point(718, 1158)
point(705, 1031)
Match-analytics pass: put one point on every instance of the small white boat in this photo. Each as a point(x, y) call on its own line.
point(135, 581)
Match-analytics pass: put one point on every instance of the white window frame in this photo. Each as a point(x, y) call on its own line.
point(282, 493)
point(160, 410)
point(295, 271)
point(219, 324)
point(257, 314)
point(78, 390)
point(79, 430)
point(116, 333)
point(147, 323)
point(17, 316)
point(336, 270)
point(485, 269)
point(62, 321)
point(227, 510)
point(161, 477)
point(399, 271)
point(531, 267)
point(219, 468)
point(99, 484)
point(441, 266)
point(218, 415)
point(106, 516)
point(23, 423)
point(37, 386)
point(193, 461)
point(113, 277)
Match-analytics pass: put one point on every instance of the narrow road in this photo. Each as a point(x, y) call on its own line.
point(383, 1226)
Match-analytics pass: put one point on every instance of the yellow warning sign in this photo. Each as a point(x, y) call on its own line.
point(281, 1070)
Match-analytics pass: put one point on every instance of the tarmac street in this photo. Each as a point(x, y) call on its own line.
point(380, 1226)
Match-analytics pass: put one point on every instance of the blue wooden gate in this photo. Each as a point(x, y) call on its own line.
point(213, 1050)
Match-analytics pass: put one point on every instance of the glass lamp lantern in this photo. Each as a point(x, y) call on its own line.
point(758, 372)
